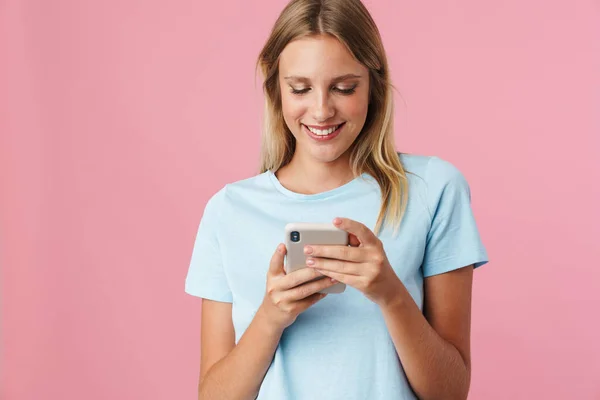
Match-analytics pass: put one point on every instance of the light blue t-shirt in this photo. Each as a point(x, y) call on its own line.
point(340, 347)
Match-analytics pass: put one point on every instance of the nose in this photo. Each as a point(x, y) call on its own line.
point(323, 109)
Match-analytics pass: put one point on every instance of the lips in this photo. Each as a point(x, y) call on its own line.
point(324, 127)
point(322, 138)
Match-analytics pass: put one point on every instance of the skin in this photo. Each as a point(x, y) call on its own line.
point(320, 166)
point(433, 345)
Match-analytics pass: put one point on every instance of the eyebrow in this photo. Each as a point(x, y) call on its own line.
point(336, 79)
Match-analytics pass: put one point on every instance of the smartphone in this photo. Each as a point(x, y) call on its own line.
point(300, 234)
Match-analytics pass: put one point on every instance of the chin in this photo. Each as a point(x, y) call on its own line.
point(326, 155)
point(321, 152)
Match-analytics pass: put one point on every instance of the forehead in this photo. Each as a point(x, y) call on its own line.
point(315, 58)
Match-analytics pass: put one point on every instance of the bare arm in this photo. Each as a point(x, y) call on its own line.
point(222, 360)
point(230, 371)
point(434, 346)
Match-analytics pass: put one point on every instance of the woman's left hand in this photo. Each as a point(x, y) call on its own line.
point(362, 265)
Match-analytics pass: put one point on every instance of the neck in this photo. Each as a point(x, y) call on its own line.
point(307, 176)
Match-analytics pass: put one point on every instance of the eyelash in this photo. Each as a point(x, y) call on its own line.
point(342, 91)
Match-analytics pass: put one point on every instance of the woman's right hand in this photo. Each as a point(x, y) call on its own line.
point(288, 295)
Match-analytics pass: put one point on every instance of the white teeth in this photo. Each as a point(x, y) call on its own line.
point(322, 132)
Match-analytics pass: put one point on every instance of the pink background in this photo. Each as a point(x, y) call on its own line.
point(120, 119)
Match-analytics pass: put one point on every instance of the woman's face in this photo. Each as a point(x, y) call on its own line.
point(322, 86)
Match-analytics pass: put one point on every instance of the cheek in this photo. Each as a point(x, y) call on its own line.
point(355, 108)
point(291, 108)
point(355, 112)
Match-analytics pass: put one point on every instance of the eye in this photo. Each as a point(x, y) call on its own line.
point(346, 91)
point(299, 91)
point(337, 89)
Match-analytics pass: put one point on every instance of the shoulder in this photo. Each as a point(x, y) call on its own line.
point(434, 171)
point(436, 179)
point(240, 190)
point(213, 206)
point(443, 171)
point(249, 183)
point(429, 168)
point(253, 187)
point(444, 177)
point(414, 164)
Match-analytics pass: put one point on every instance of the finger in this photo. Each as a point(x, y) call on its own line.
point(310, 300)
point(307, 289)
point(298, 277)
point(343, 267)
point(345, 253)
point(364, 235)
point(353, 240)
point(350, 280)
point(276, 264)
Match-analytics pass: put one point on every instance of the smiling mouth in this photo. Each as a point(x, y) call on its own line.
point(323, 135)
point(324, 132)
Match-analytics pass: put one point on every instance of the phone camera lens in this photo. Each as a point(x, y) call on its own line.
point(295, 236)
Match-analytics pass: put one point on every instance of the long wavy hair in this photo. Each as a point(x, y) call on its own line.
point(373, 151)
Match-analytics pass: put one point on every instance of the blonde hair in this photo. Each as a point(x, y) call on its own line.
point(373, 151)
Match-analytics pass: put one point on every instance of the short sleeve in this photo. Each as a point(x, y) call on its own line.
point(206, 277)
point(453, 240)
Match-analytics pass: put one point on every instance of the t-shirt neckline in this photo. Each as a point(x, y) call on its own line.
point(315, 196)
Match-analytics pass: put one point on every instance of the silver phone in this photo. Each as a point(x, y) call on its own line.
point(300, 234)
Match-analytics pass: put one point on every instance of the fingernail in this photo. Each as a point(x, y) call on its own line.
point(333, 280)
point(337, 221)
point(310, 261)
point(308, 250)
point(280, 248)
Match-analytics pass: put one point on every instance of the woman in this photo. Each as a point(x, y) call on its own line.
point(401, 329)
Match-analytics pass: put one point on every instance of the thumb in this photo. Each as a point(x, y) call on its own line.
point(276, 264)
point(353, 240)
